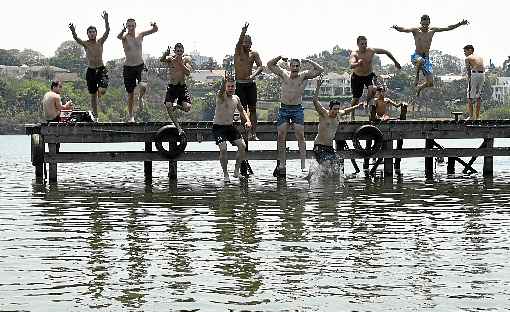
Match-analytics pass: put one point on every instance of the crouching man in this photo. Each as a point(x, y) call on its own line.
point(224, 130)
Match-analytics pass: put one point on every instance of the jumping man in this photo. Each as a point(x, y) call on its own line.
point(423, 40)
point(475, 79)
point(97, 75)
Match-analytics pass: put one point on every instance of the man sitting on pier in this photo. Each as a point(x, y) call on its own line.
point(323, 145)
point(97, 75)
point(179, 67)
point(423, 40)
point(382, 103)
point(224, 130)
point(133, 63)
point(291, 111)
point(52, 104)
point(476, 77)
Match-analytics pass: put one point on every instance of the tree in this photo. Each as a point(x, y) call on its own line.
point(70, 48)
point(31, 58)
point(9, 57)
point(71, 56)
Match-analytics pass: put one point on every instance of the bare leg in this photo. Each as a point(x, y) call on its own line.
point(131, 102)
point(93, 104)
point(253, 119)
point(142, 88)
point(299, 130)
point(224, 160)
point(470, 108)
point(170, 111)
point(429, 83)
point(478, 104)
point(354, 102)
point(281, 143)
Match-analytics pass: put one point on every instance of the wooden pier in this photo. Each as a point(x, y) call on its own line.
point(54, 134)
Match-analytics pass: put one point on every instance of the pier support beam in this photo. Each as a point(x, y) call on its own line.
point(37, 145)
point(147, 165)
point(450, 167)
point(53, 149)
point(429, 161)
point(488, 160)
point(388, 162)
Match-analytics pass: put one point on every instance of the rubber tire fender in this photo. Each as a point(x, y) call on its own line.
point(374, 133)
point(177, 143)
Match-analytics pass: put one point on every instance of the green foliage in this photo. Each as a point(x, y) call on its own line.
point(502, 112)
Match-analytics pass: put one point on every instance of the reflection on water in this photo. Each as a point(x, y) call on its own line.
point(109, 242)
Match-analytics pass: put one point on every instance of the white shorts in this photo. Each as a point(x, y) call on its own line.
point(475, 85)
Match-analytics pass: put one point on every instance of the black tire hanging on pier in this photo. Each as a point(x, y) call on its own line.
point(368, 132)
point(176, 143)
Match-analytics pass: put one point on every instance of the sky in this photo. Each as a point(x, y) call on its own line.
point(293, 28)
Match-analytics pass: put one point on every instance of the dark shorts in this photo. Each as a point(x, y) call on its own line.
point(225, 133)
point(97, 78)
point(358, 83)
point(132, 76)
point(290, 114)
point(324, 153)
point(179, 92)
point(247, 93)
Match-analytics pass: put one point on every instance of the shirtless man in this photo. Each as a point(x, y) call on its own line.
point(52, 104)
point(97, 75)
point(133, 64)
point(246, 89)
point(422, 40)
point(328, 123)
point(291, 110)
point(382, 103)
point(362, 73)
point(179, 67)
point(223, 129)
point(475, 78)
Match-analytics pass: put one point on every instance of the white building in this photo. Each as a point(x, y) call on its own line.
point(501, 89)
point(334, 85)
point(199, 59)
point(206, 76)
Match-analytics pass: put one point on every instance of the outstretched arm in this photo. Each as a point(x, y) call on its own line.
point(163, 58)
point(258, 62)
point(348, 110)
point(390, 101)
point(318, 106)
point(451, 27)
point(121, 34)
point(243, 33)
point(185, 64)
point(106, 27)
point(403, 29)
point(150, 31)
point(388, 53)
point(272, 65)
point(316, 71)
point(468, 69)
point(221, 91)
point(354, 62)
point(75, 37)
point(241, 110)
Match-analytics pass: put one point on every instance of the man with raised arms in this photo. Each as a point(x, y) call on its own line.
point(328, 123)
point(246, 89)
point(362, 73)
point(97, 75)
point(423, 40)
point(475, 79)
point(133, 64)
point(177, 94)
point(224, 130)
point(291, 111)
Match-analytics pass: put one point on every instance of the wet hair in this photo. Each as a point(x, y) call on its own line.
point(130, 20)
point(360, 38)
point(469, 47)
point(425, 17)
point(178, 44)
point(333, 103)
point(295, 60)
point(55, 83)
point(91, 28)
point(229, 77)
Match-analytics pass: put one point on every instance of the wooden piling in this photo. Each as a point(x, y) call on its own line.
point(37, 155)
point(53, 149)
point(450, 167)
point(147, 165)
point(429, 161)
point(488, 160)
point(388, 162)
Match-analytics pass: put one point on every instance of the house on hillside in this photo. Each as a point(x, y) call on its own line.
point(334, 85)
point(17, 72)
point(207, 76)
point(50, 73)
point(501, 89)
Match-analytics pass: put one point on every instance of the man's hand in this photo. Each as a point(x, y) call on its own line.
point(464, 22)
point(124, 28)
point(71, 27)
point(245, 27)
point(395, 27)
point(247, 124)
point(153, 25)
point(320, 80)
point(105, 15)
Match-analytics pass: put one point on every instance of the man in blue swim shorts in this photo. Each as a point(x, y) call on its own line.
point(423, 40)
point(291, 111)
